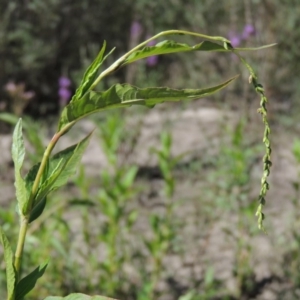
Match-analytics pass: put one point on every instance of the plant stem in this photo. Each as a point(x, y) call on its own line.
point(24, 219)
point(20, 245)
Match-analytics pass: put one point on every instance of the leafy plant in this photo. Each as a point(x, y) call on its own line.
point(54, 170)
point(162, 225)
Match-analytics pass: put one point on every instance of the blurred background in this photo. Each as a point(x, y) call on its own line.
point(163, 205)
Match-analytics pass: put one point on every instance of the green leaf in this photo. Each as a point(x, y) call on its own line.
point(9, 262)
point(61, 167)
point(38, 209)
point(79, 297)
point(169, 46)
point(129, 176)
point(18, 149)
point(122, 95)
point(26, 284)
point(18, 154)
point(90, 74)
point(30, 177)
point(66, 163)
point(50, 178)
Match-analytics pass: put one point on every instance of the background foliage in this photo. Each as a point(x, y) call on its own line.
point(42, 41)
point(131, 246)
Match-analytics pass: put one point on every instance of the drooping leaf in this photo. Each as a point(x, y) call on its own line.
point(169, 46)
point(9, 263)
point(18, 154)
point(26, 284)
point(78, 296)
point(122, 95)
point(90, 74)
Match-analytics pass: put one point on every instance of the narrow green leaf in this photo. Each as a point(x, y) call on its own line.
point(169, 46)
point(68, 159)
point(78, 296)
point(30, 177)
point(255, 48)
point(38, 209)
point(18, 154)
point(47, 184)
point(122, 95)
point(9, 262)
point(18, 149)
point(129, 176)
point(61, 167)
point(138, 52)
point(91, 73)
point(26, 284)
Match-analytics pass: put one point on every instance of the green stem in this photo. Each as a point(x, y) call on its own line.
point(24, 219)
point(20, 245)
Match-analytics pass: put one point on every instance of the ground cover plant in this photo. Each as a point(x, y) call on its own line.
point(53, 171)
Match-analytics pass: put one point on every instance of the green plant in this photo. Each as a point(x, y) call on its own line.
point(230, 189)
point(162, 225)
point(54, 170)
point(117, 189)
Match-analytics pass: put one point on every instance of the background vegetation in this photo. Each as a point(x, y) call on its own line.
point(143, 231)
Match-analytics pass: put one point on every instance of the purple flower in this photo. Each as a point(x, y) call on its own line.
point(235, 39)
point(64, 82)
point(64, 92)
point(136, 29)
point(248, 31)
point(10, 87)
point(151, 61)
point(28, 95)
point(151, 43)
point(64, 95)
